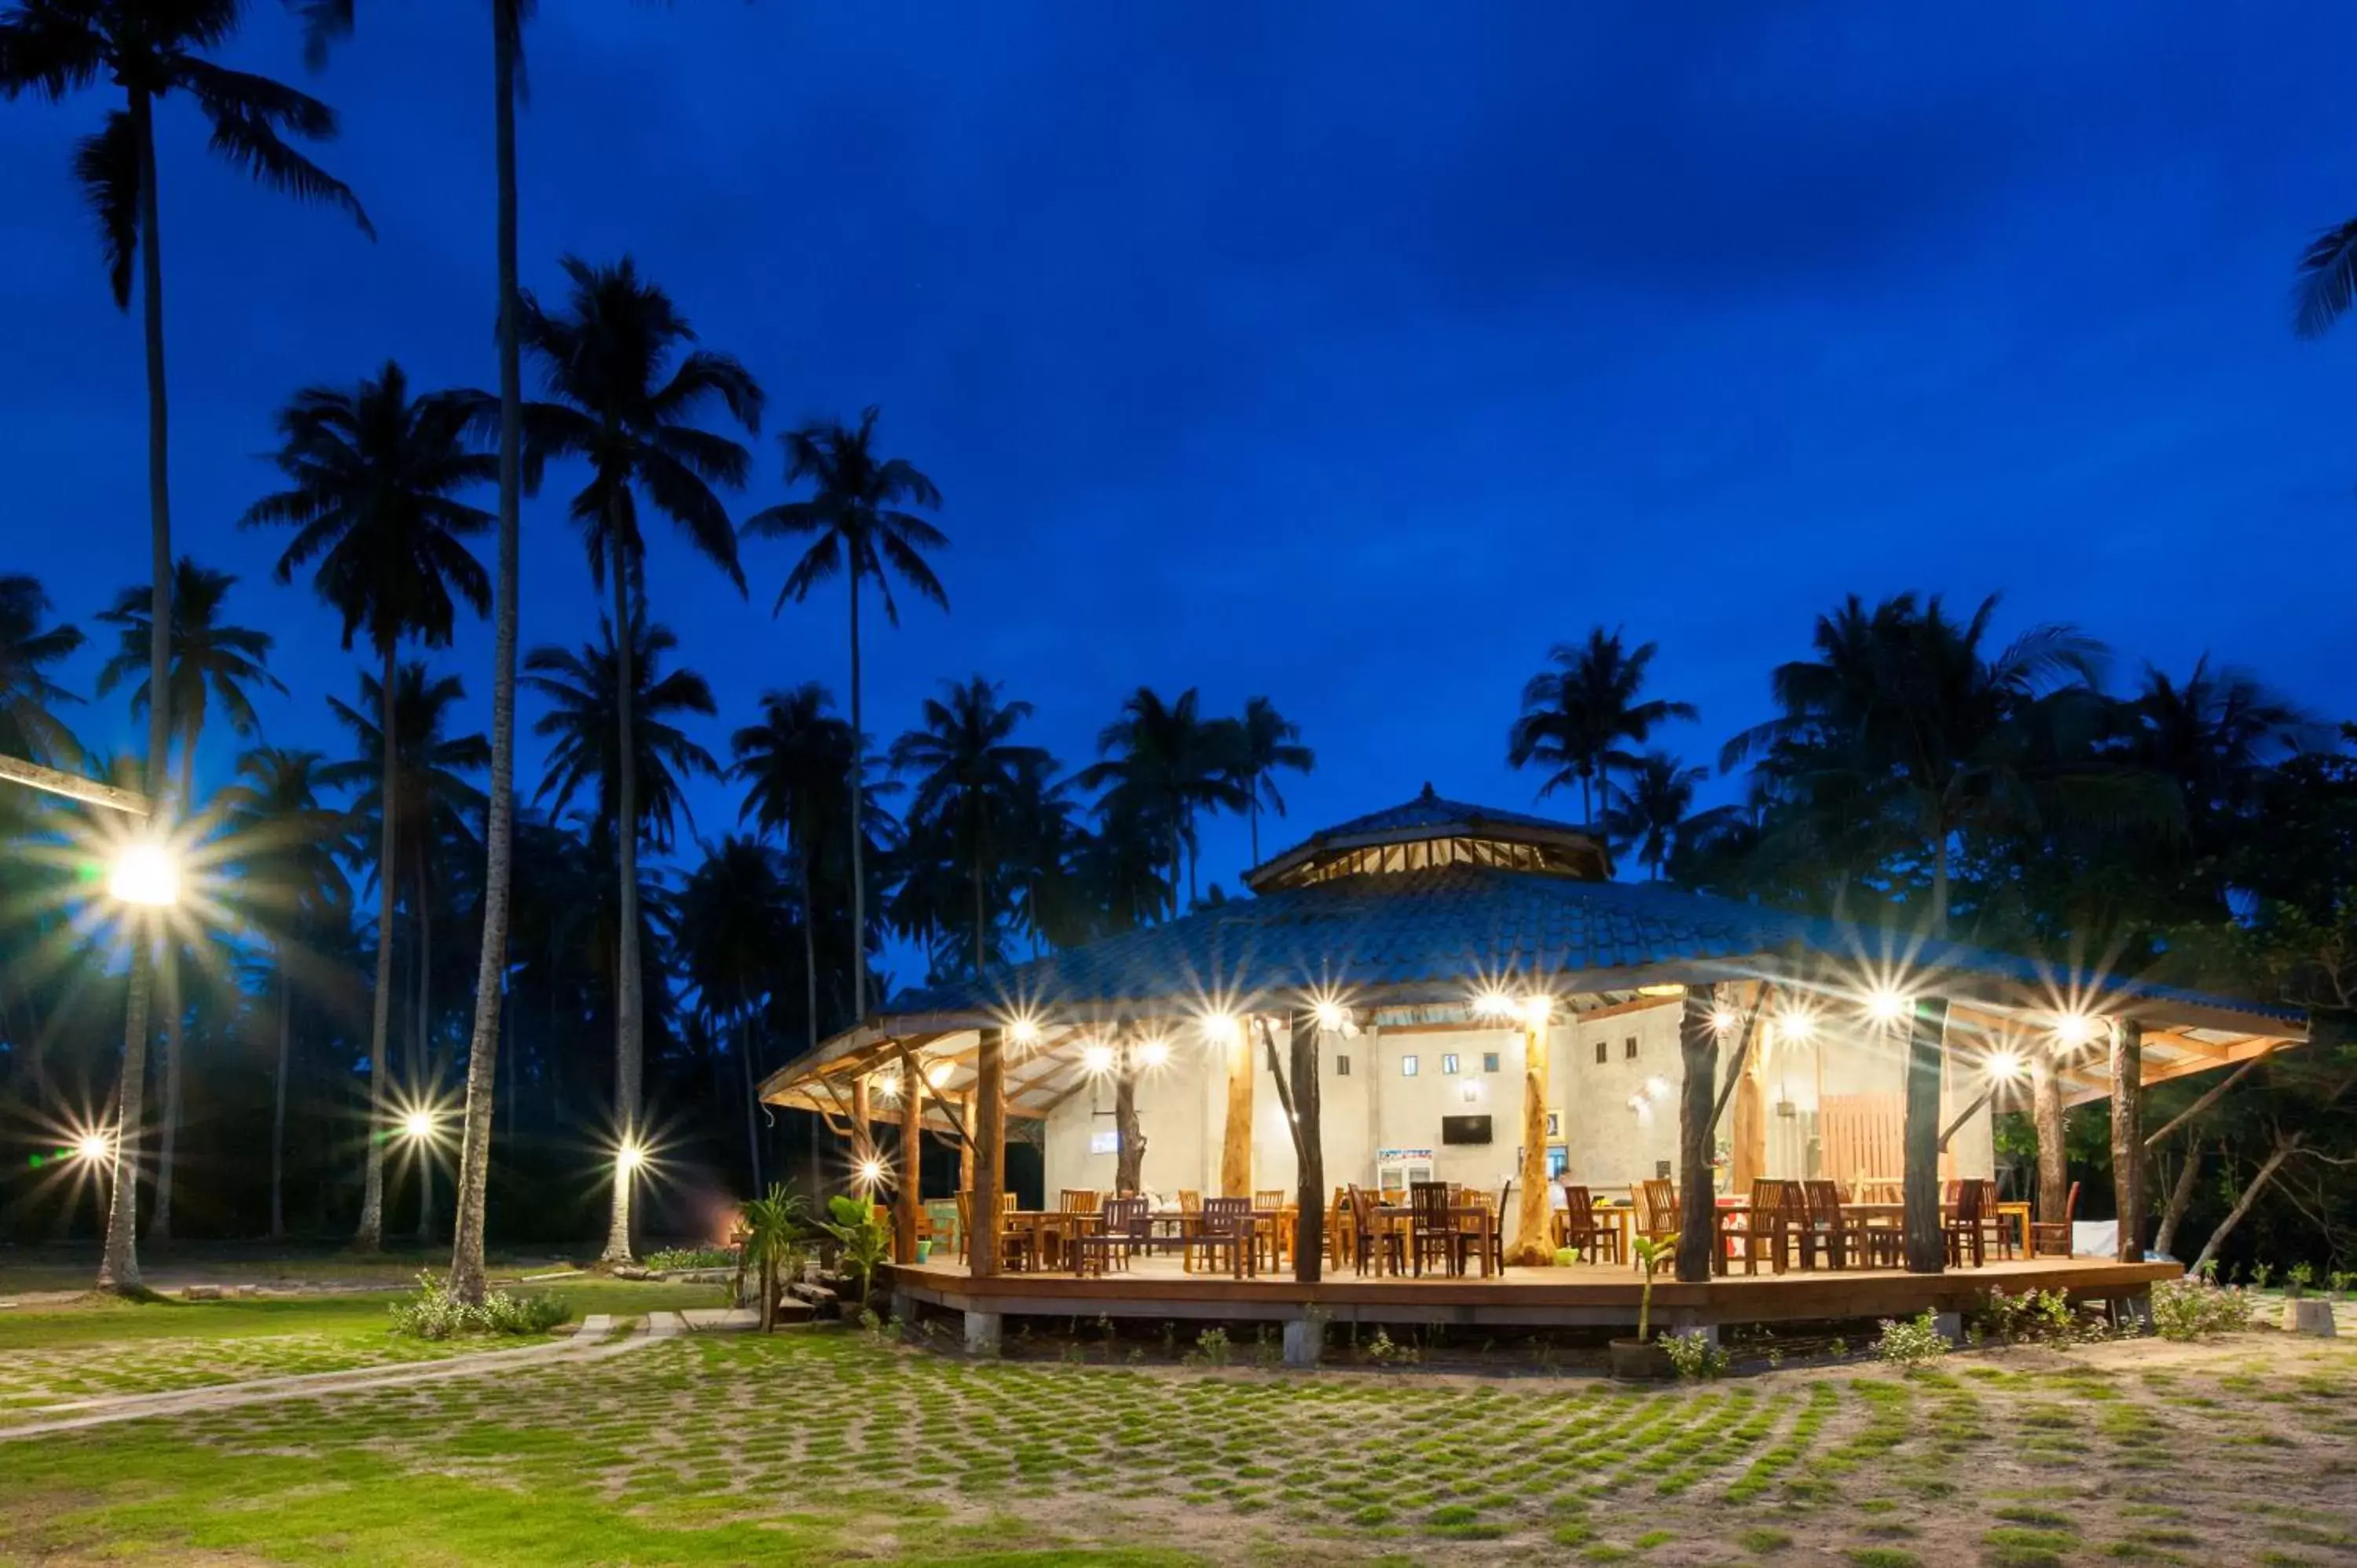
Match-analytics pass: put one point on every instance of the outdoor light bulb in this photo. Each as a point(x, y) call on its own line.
point(1219, 1025)
point(938, 1074)
point(1723, 1020)
point(888, 1086)
point(1097, 1058)
point(418, 1124)
point(1024, 1032)
point(2005, 1065)
point(1330, 1016)
point(145, 873)
point(1493, 1005)
point(1887, 1007)
point(1155, 1053)
point(1537, 1010)
point(630, 1156)
point(1795, 1026)
point(871, 1171)
point(1657, 1088)
point(2074, 1029)
point(91, 1146)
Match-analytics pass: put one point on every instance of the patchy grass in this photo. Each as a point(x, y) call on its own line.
point(822, 1446)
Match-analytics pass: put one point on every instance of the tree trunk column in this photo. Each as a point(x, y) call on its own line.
point(965, 1145)
point(1698, 1201)
point(1534, 1232)
point(1927, 1034)
point(989, 1105)
point(905, 1208)
point(1236, 1146)
point(1309, 1202)
point(1129, 1138)
point(1749, 1131)
point(2053, 1156)
point(2127, 1135)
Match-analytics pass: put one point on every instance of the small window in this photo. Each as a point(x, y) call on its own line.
point(1448, 1064)
point(1629, 1047)
point(1341, 1067)
point(1603, 1052)
point(1488, 1061)
point(1407, 1067)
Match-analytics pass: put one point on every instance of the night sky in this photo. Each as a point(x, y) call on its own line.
point(1349, 354)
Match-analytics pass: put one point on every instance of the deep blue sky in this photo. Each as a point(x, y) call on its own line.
point(1349, 354)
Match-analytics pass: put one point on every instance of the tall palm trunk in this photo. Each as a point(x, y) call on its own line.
point(118, 1270)
point(981, 920)
point(491, 971)
point(810, 996)
point(175, 1010)
point(752, 1101)
point(370, 1236)
point(278, 1097)
point(858, 865)
point(422, 1074)
point(626, 979)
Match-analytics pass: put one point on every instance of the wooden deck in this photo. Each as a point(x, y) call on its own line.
point(1580, 1295)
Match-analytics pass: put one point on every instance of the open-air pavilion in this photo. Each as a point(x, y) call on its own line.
point(1443, 997)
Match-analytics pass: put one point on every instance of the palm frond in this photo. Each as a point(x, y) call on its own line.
point(2325, 282)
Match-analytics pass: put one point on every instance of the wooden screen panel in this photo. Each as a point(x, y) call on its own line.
point(1863, 1138)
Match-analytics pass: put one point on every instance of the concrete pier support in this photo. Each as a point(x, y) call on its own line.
point(982, 1333)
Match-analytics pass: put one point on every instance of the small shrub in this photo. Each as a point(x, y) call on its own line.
point(1910, 1343)
point(2260, 1274)
point(2297, 1279)
point(1694, 1357)
point(1212, 1345)
point(2341, 1282)
point(1838, 1349)
point(671, 1258)
point(435, 1312)
point(2193, 1309)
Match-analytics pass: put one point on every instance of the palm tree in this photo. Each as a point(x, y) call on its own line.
point(795, 765)
point(584, 692)
point(857, 523)
point(967, 770)
point(286, 845)
point(1265, 740)
point(615, 406)
point(29, 649)
point(1160, 763)
point(331, 19)
point(52, 48)
point(374, 473)
point(1652, 817)
point(732, 921)
point(208, 659)
point(1577, 714)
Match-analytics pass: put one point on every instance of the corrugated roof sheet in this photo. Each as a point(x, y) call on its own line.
point(1430, 810)
point(1454, 927)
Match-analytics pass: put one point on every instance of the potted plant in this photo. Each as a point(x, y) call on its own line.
point(770, 1228)
point(866, 1245)
point(1642, 1359)
point(2303, 1314)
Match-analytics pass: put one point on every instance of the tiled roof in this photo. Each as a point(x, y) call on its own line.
point(1429, 810)
point(1448, 931)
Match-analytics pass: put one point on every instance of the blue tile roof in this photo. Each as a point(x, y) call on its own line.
point(1445, 932)
point(1429, 810)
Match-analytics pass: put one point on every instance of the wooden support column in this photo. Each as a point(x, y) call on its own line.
point(863, 1134)
point(965, 1145)
point(1129, 1137)
point(1927, 1034)
point(1533, 1244)
point(907, 1196)
point(2127, 1135)
point(1697, 1092)
point(1749, 1134)
point(1236, 1141)
point(2046, 1116)
point(1308, 1142)
point(989, 1101)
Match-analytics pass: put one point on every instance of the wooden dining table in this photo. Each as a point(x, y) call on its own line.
point(1471, 1218)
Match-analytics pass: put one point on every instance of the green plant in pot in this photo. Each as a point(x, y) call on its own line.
point(771, 1227)
point(1643, 1359)
point(866, 1245)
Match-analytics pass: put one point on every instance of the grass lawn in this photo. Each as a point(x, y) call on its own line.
point(821, 1445)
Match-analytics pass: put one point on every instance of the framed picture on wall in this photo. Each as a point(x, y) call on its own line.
point(1555, 1125)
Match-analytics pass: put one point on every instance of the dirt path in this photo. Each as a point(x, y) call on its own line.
point(591, 1343)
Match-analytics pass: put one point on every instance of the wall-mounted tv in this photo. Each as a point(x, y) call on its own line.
point(1464, 1128)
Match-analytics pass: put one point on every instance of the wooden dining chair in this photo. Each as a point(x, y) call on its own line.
point(1227, 1225)
point(965, 1228)
point(1079, 1200)
point(1962, 1225)
point(2049, 1236)
point(1762, 1234)
point(1378, 1243)
point(1596, 1241)
point(1657, 1211)
point(1433, 1230)
point(1999, 1234)
point(1492, 1239)
point(1124, 1227)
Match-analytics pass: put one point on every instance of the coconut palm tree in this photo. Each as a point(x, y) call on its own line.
point(29, 648)
point(327, 21)
point(374, 476)
point(1265, 740)
point(858, 524)
point(795, 765)
point(286, 845)
point(52, 48)
point(208, 659)
point(1653, 816)
point(584, 692)
point(1578, 714)
point(967, 770)
point(732, 921)
point(623, 405)
point(1161, 764)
